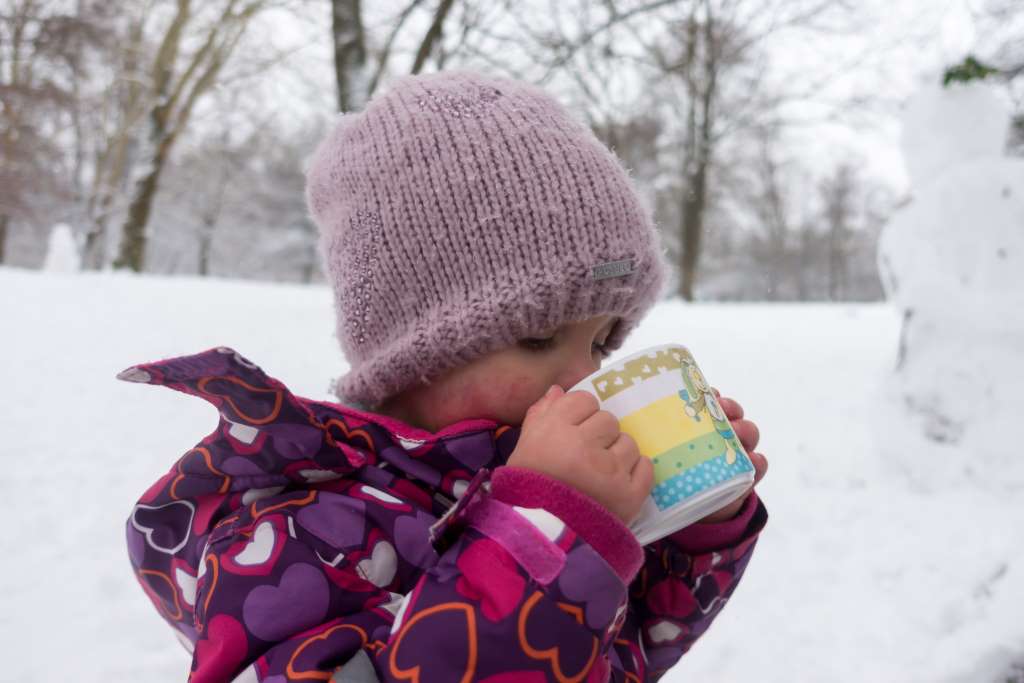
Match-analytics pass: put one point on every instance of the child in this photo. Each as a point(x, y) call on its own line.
point(466, 521)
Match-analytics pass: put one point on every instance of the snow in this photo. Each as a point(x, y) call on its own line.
point(864, 573)
point(62, 251)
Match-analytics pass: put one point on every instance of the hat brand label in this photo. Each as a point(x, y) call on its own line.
point(604, 271)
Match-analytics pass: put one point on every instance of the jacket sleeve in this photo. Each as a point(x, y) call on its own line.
point(511, 593)
point(684, 583)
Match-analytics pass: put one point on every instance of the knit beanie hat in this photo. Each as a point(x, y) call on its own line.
point(460, 213)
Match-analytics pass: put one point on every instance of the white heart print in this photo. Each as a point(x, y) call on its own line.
point(379, 569)
point(259, 548)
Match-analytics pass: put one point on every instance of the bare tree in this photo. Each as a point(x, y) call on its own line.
point(351, 61)
point(42, 50)
point(231, 202)
point(716, 59)
point(771, 207)
point(349, 39)
point(837, 197)
point(700, 69)
point(112, 110)
point(227, 166)
point(178, 81)
point(703, 66)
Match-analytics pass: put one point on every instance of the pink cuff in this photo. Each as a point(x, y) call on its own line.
point(704, 538)
point(599, 528)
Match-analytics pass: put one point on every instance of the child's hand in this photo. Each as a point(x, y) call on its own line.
point(568, 437)
point(749, 435)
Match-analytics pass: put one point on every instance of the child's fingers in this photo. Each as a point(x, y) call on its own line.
point(760, 464)
point(544, 402)
point(748, 434)
point(642, 475)
point(733, 410)
point(601, 428)
point(577, 406)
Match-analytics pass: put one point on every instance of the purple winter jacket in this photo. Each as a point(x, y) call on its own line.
point(307, 541)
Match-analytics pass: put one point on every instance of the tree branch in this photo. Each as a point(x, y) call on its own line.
point(217, 60)
point(432, 36)
point(167, 55)
point(385, 54)
point(588, 36)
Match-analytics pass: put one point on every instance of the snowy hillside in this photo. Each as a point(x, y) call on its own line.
point(861, 574)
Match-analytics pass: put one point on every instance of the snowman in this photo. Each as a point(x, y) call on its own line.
point(952, 262)
point(62, 253)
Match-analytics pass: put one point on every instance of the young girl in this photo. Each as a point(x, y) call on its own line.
point(466, 520)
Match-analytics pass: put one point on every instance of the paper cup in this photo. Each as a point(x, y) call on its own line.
point(663, 401)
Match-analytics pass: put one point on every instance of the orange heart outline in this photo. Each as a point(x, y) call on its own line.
point(413, 673)
point(572, 610)
point(278, 398)
point(300, 502)
point(349, 434)
point(155, 597)
point(552, 653)
point(320, 675)
point(208, 459)
point(214, 573)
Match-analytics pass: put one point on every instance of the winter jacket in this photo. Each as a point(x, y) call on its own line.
point(308, 541)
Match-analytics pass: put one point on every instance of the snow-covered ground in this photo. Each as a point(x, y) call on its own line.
point(863, 574)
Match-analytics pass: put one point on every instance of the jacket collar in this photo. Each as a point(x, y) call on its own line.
point(308, 441)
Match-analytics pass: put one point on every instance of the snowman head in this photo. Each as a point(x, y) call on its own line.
point(944, 127)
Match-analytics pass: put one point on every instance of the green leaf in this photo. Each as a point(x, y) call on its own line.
point(969, 70)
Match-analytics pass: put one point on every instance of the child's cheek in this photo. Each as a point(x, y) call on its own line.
point(511, 398)
point(503, 399)
point(456, 402)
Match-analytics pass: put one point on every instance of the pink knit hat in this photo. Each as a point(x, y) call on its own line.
point(460, 213)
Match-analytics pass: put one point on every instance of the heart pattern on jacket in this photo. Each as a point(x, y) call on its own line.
point(380, 567)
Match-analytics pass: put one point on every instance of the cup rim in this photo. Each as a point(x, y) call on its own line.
point(587, 383)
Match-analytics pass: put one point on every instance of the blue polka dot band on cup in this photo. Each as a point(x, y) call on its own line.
point(663, 401)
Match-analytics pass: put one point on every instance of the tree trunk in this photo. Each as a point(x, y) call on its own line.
point(308, 268)
point(114, 160)
point(806, 260)
point(701, 92)
point(4, 221)
point(112, 179)
point(205, 242)
point(833, 264)
point(173, 104)
point(210, 218)
point(348, 37)
point(693, 225)
point(95, 244)
point(132, 253)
